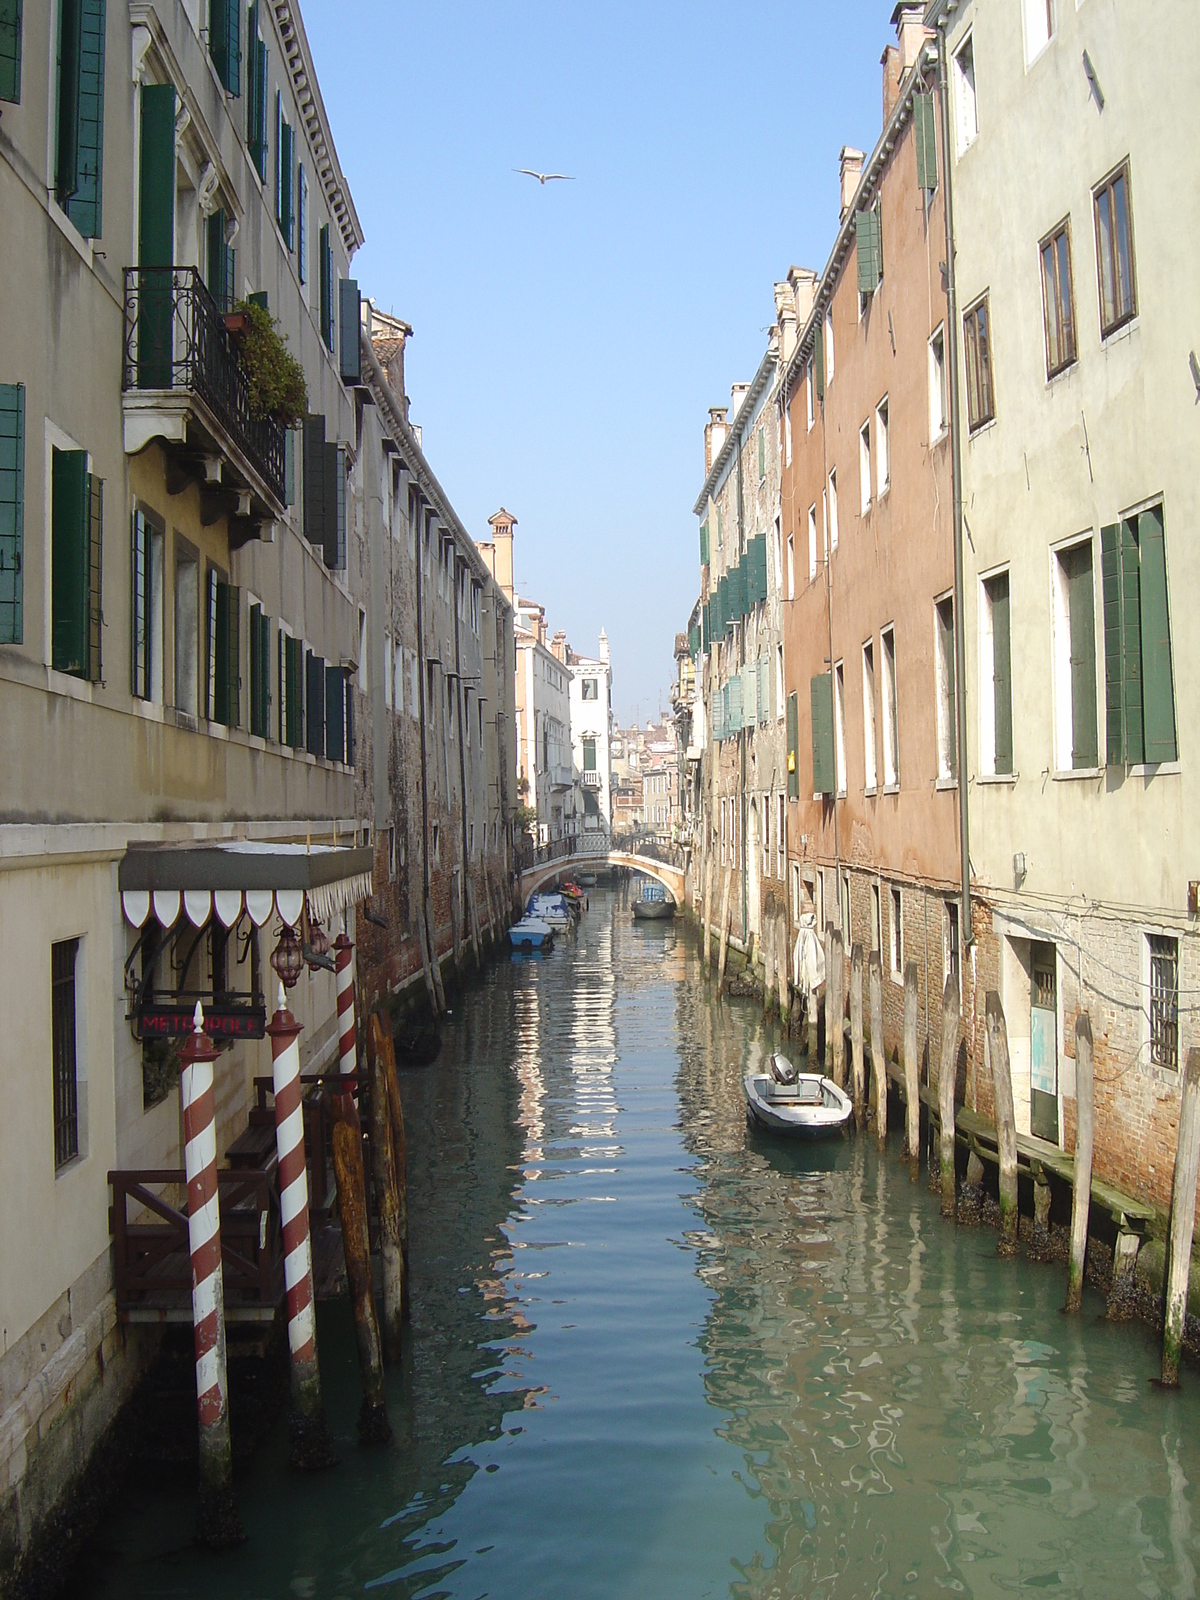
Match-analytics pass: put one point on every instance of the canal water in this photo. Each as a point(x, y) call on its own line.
point(655, 1355)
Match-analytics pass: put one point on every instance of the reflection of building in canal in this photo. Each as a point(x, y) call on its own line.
point(905, 1433)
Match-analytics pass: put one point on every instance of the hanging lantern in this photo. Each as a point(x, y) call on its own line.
point(318, 946)
point(288, 957)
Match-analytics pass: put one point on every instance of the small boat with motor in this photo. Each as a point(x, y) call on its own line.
point(654, 904)
point(806, 1105)
point(531, 933)
point(551, 908)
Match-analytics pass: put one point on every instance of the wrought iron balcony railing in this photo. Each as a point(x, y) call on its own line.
point(175, 339)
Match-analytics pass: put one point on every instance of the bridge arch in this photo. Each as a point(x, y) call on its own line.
point(546, 874)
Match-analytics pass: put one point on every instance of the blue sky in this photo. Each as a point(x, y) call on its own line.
point(569, 339)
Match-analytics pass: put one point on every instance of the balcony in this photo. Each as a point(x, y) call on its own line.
point(561, 777)
point(591, 780)
point(185, 384)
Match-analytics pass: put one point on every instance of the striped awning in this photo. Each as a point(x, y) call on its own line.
point(225, 879)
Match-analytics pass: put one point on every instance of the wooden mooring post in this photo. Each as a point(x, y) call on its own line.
point(1183, 1220)
point(782, 972)
point(724, 925)
point(768, 950)
point(1084, 1135)
point(835, 1010)
point(946, 1075)
point(387, 1198)
point(373, 1424)
point(707, 915)
point(858, 1069)
point(1006, 1122)
point(912, 1072)
point(878, 1058)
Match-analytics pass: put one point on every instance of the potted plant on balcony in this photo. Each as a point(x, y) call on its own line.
point(277, 386)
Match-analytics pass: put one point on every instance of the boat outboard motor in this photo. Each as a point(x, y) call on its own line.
point(782, 1069)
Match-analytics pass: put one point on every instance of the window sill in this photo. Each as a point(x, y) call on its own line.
point(940, 437)
point(870, 792)
point(1062, 372)
point(1152, 769)
point(897, 978)
point(982, 428)
point(1123, 330)
point(1076, 774)
point(945, 783)
point(890, 788)
point(1004, 779)
point(66, 683)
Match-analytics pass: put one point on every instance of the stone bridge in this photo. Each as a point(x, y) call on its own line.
point(547, 874)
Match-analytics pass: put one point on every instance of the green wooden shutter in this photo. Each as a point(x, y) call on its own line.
point(348, 703)
point(704, 544)
point(12, 512)
point(793, 750)
point(334, 540)
point(302, 223)
point(217, 260)
point(140, 606)
point(1084, 739)
point(1158, 690)
point(1114, 657)
point(756, 554)
point(335, 714)
point(225, 42)
point(293, 733)
point(81, 113)
point(314, 699)
point(10, 50)
point(349, 319)
point(278, 172)
point(156, 237)
point(924, 128)
point(257, 705)
point(945, 624)
point(220, 700)
point(818, 356)
point(314, 479)
point(256, 92)
point(1131, 645)
point(69, 560)
point(325, 260)
point(870, 262)
point(95, 556)
point(824, 771)
point(1002, 671)
point(287, 183)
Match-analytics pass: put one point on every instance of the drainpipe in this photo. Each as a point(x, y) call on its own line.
point(960, 648)
point(743, 736)
point(462, 749)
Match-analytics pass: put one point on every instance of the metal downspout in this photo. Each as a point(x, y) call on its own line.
point(960, 649)
point(743, 735)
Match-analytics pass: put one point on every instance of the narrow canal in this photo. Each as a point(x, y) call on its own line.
point(654, 1355)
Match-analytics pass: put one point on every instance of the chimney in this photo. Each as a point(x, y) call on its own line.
point(502, 525)
point(603, 645)
point(851, 164)
point(911, 34)
point(558, 647)
point(803, 281)
point(892, 72)
point(715, 430)
point(785, 319)
point(388, 336)
point(737, 393)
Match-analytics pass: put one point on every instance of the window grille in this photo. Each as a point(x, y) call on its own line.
point(1164, 1002)
point(66, 1083)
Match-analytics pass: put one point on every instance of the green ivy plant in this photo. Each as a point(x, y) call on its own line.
point(277, 386)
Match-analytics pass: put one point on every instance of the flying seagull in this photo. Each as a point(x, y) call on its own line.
point(544, 177)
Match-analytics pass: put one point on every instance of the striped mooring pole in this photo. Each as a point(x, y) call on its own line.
point(312, 1444)
point(217, 1523)
point(347, 1028)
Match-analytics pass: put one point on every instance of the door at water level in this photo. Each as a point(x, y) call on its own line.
point(1043, 1043)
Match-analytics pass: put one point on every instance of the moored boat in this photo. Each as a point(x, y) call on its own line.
point(654, 904)
point(551, 908)
point(530, 933)
point(806, 1105)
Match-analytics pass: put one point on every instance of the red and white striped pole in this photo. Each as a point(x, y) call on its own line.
point(312, 1445)
point(347, 1029)
point(217, 1523)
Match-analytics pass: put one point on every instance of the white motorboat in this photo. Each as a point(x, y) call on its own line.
point(531, 933)
point(803, 1104)
point(551, 908)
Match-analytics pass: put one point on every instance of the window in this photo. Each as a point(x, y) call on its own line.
point(64, 1045)
point(1139, 689)
point(260, 672)
point(337, 714)
point(285, 174)
point(833, 514)
point(1163, 955)
point(146, 610)
point(79, 152)
point(1075, 660)
point(291, 691)
point(777, 552)
point(76, 544)
point(845, 910)
point(938, 415)
point(414, 687)
point(302, 223)
point(876, 919)
point(1114, 252)
point(1039, 27)
point(589, 755)
point(883, 460)
point(869, 250)
point(791, 566)
point(590, 688)
point(779, 684)
point(977, 351)
point(12, 506)
point(793, 754)
point(864, 466)
point(187, 629)
point(224, 651)
point(868, 670)
point(950, 946)
point(787, 437)
point(891, 720)
point(839, 708)
point(947, 721)
point(828, 348)
point(762, 455)
point(436, 852)
point(812, 543)
point(995, 678)
point(1058, 299)
point(810, 391)
point(966, 110)
point(766, 835)
point(896, 931)
point(314, 704)
point(350, 360)
point(397, 679)
point(221, 258)
point(10, 50)
point(256, 91)
point(325, 285)
point(781, 836)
